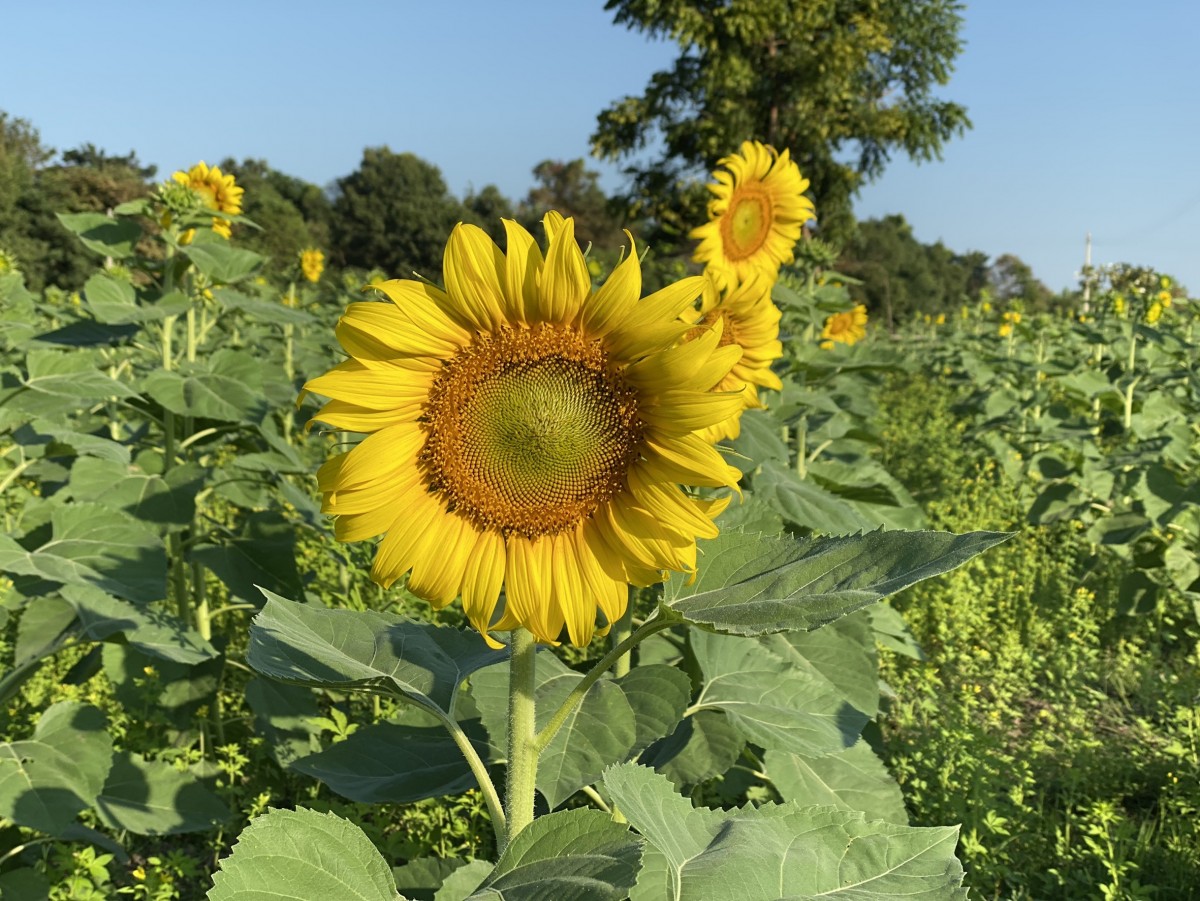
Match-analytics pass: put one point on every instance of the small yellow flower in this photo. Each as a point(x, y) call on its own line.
point(941, 319)
point(218, 191)
point(1119, 304)
point(1164, 282)
point(1164, 297)
point(8, 263)
point(985, 307)
point(1005, 330)
point(847, 328)
point(1154, 313)
point(928, 319)
point(1013, 317)
point(312, 263)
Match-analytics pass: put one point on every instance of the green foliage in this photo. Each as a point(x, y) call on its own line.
point(842, 86)
point(393, 213)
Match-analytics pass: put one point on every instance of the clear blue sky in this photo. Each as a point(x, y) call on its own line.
point(1087, 114)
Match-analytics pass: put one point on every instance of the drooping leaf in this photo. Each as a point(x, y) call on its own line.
point(302, 855)
point(571, 855)
point(854, 779)
point(658, 694)
point(345, 649)
point(149, 797)
point(48, 779)
point(43, 622)
point(261, 554)
point(755, 584)
point(775, 852)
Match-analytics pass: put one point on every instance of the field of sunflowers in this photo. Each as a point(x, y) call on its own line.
point(522, 582)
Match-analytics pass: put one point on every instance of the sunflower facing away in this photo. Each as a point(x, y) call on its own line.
point(756, 214)
point(845, 328)
point(748, 318)
point(526, 431)
point(219, 192)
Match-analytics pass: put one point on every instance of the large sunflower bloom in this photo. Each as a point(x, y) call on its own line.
point(526, 432)
point(845, 328)
point(218, 191)
point(748, 318)
point(756, 214)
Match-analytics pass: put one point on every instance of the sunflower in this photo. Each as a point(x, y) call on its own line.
point(312, 263)
point(845, 328)
point(218, 191)
point(527, 432)
point(8, 263)
point(755, 216)
point(748, 318)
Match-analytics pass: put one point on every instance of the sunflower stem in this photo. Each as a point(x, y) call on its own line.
point(602, 666)
point(490, 796)
point(621, 630)
point(522, 746)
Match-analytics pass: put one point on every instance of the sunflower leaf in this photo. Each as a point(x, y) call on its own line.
point(345, 649)
point(777, 850)
point(853, 779)
point(580, 855)
point(755, 584)
point(298, 855)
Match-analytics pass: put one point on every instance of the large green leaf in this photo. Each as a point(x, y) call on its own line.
point(774, 702)
point(754, 584)
point(94, 545)
point(391, 762)
point(47, 780)
point(302, 855)
point(806, 504)
point(572, 855)
point(600, 731)
point(114, 302)
point(658, 695)
point(221, 262)
point(165, 500)
point(420, 879)
point(854, 779)
point(59, 382)
point(149, 797)
point(44, 622)
point(263, 311)
point(226, 386)
point(262, 554)
point(774, 852)
point(843, 653)
point(345, 649)
point(101, 234)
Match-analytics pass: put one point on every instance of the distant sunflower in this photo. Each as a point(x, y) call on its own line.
point(312, 263)
point(747, 317)
point(526, 431)
point(756, 214)
point(218, 191)
point(845, 328)
point(8, 262)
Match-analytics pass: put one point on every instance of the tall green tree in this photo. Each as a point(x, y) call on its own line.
point(486, 208)
point(843, 84)
point(393, 213)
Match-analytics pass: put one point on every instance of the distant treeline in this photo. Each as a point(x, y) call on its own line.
point(393, 212)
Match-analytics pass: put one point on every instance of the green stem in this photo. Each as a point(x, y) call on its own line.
point(621, 630)
point(802, 447)
point(522, 747)
point(1133, 380)
point(648, 628)
point(479, 769)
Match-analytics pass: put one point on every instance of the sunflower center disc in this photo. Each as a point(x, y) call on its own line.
point(530, 431)
point(745, 225)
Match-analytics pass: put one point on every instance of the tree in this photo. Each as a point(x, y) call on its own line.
point(393, 213)
point(901, 276)
point(1011, 278)
point(842, 84)
point(486, 209)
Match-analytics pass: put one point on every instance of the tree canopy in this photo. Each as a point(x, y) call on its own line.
point(843, 84)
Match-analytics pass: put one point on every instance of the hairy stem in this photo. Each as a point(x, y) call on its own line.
point(522, 747)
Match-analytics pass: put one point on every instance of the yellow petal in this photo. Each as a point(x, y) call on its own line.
point(383, 451)
point(563, 281)
point(482, 581)
point(522, 260)
point(378, 388)
point(425, 305)
point(616, 297)
point(472, 269)
point(653, 323)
